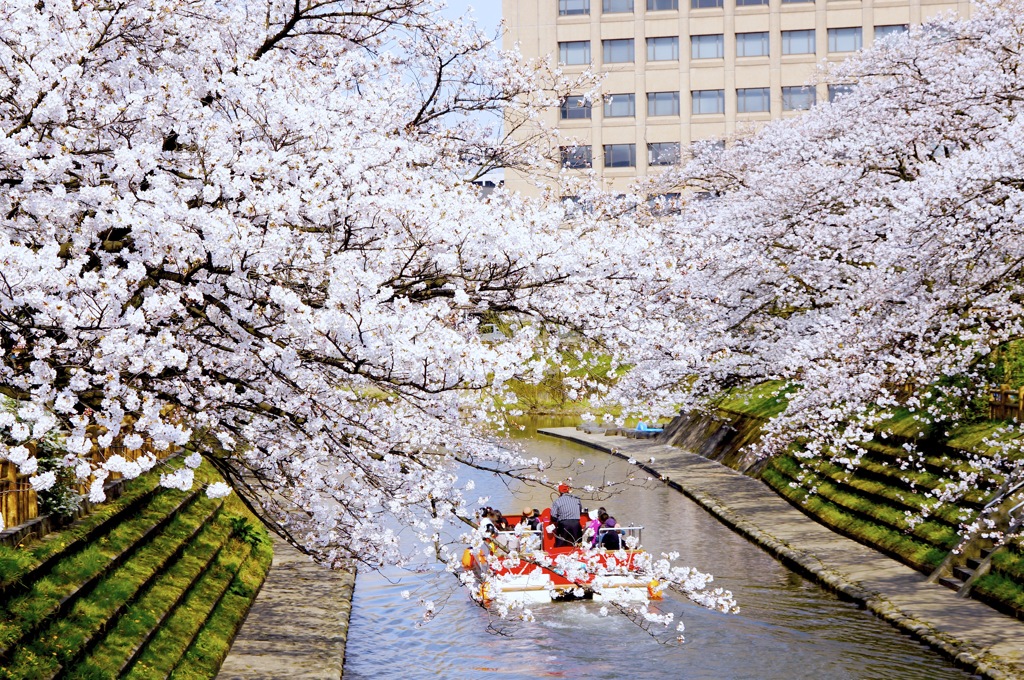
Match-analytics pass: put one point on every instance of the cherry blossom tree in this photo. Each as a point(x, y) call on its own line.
point(249, 228)
point(865, 245)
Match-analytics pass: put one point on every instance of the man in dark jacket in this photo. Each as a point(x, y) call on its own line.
point(565, 513)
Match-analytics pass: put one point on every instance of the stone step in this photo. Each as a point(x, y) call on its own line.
point(951, 583)
point(972, 563)
point(963, 573)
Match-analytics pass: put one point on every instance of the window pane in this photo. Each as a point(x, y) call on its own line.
point(620, 106)
point(885, 31)
point(663, 153)
point(752, 44)
point(617, 6)
point(662, 103)
point(620, 155)
point(797, 98)
point(653, 5)
point(570, 7)
point(844, 39)
point(576, 157)
point(748, 3)
point(835, 91)
point(707, 46)
point(752, 100)
point(705, 4)
point(708, 101)
point(618, 51)
point(665, 204)
point(798, 42)
point(577, 52)
point(574, 108)
point(663, 49)
point(793, 2)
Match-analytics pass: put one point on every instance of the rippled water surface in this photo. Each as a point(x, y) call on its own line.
point(787, 627)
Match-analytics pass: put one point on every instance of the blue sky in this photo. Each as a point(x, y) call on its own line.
point(487, 12)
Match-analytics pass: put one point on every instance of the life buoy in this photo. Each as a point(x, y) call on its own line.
point(652, 590)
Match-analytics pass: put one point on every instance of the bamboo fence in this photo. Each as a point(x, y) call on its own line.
point(18, 501)
point(1006, 403)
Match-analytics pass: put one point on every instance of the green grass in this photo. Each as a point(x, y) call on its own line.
point(25, 611)
point(935, 533)
point(1000, 588)
point(75, 630)
point(119, 614)
point(761, 401)
point(175, 637)
point(1010, 563)
point(15, 563)
point(146, 613)
point(212, 644)
point(911, 550)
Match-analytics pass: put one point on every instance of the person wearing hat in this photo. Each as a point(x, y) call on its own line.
point(530, 518)
point(565, 513)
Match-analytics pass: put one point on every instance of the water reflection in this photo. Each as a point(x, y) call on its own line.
point(788, 627)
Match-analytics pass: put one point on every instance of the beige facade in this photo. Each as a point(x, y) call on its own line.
point(733, 62)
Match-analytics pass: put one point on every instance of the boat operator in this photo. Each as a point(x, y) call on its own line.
point(565, 513)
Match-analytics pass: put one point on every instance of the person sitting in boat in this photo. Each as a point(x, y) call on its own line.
point(485, 519)
point(527, 530)
point(499, 521)
point(612, 540)
point(565, 513)
point(597, 519)
point(478, 561)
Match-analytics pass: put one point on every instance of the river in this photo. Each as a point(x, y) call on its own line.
point(788, 627)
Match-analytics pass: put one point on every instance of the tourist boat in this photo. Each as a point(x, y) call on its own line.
point(527, 567)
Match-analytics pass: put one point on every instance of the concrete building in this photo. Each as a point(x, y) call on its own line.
point(685, 70)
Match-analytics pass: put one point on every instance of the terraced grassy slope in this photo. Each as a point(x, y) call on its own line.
point(881, 501)
point(102, 599)
point(875, 504)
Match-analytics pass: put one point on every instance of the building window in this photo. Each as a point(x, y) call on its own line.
point(705, 4)
point(793, 2)
point(573, 7)
point(662, 103)
point(574, 53)
point(618, 51)
point(620, 106)
point(620, 155)
point(798, 42)
point(837, 91)
point(663, 153)
point(797, 98)
point(574, 107)
point(844, 39)
point(576, 157)
point(665, 204)
point(750, 3)
point(753, 100)
point(752, 44)
point(707, 46)
point(617, 6)
point(663, 49)
point(885, 31)
point(708, 101)
point(655, 5)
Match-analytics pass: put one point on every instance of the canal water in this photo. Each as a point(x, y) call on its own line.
point(787, 627)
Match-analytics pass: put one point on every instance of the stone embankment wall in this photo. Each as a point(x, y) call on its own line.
point(722, 437)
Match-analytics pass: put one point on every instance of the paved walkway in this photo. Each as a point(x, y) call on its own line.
point(297, 626)
point(975, 635)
